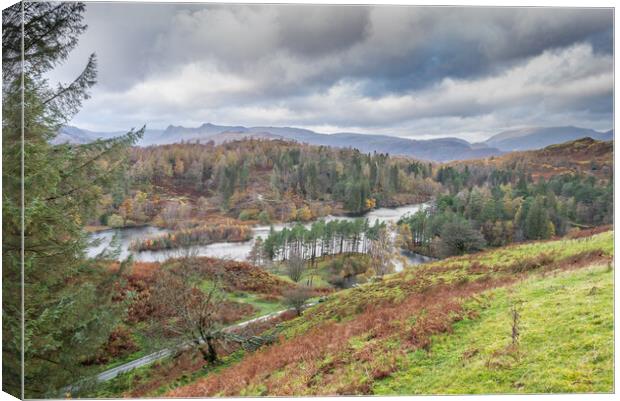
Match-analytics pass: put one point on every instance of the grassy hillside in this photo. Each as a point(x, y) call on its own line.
point(583, 156)
point(565, 345)
point(446, 327)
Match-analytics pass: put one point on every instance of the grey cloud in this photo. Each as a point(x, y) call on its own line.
point(282, 64)
point(318, 30)
point(471, 42)
point(395, 48)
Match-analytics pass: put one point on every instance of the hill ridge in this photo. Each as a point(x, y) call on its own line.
point(442, 149)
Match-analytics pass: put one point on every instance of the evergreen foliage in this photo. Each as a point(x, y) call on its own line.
point(322, 238)
point(68, 308)
point(507, 209)
point(313, 173)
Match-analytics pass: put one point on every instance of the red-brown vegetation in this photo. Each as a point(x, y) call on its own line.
point(190, 361)
point(442, 308)
point(140, 278)
point(242, 276)
point(583, 156)
point(119, 344)
point(588, 232)
point(435, 307)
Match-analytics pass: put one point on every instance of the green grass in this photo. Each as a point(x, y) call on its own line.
point(263, 306)
point(395, 287)
point(320, 273)
point(566, 342)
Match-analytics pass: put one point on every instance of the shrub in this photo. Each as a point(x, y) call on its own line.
point(295, 268)
point(296, 298)
point(202, 235)
point(304, 214)
point(114, 220)
point(120, 343)
point(458, 237)
point(524, 265)
point(264, 218)
point(248, 214)
point(346, 270)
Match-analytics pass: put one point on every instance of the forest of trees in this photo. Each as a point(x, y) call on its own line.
point(492, 204)
point(322, 238)
point(509, 208)
point(359, 180)
point(359, 247)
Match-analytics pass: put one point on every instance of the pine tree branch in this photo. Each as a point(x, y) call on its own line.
point(84, 80)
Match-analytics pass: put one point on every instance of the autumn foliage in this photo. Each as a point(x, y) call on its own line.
point(364, 334)
point(119, 344)
point(242, 276)
point(202, 235)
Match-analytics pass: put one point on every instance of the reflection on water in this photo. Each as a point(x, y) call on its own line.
point(125, 237)
point(237, 250)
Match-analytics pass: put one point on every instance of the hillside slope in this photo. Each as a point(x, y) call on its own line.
point(441, 149)
point(540, 137)
point(445, 327)
point(583, 156)
point(478, 356)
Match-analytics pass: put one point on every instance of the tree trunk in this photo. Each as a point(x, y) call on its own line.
point(209, 354)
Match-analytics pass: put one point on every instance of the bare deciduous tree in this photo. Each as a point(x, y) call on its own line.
point(382, 252)
point(190, 309)
point(175, 212)
point(296, 298)
point(257, 254)
point(295, 267)
point(190, 312)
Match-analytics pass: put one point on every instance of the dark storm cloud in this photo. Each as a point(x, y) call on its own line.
point(472, 42)
point(393, 69)
point(313, 31)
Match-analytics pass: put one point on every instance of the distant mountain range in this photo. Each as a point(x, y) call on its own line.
point(441, 149)
point(540, 137)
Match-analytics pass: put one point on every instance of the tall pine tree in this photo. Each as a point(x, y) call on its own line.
point(68, 313)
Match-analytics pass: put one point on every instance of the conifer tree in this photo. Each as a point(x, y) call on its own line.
point(537, 222)
point(64, 323)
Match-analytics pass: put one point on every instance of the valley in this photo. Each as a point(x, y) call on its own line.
point(344, 260)
point(395, 202)
point(416, 332)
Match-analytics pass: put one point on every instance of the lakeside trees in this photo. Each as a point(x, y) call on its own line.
point(381, 250)
point(320, 239)
point(300, 245)
point(503, 212)
point(201, 235)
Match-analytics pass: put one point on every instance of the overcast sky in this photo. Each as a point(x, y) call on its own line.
point(408, 71)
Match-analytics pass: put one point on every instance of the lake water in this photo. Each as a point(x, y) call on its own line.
point(236, 250)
